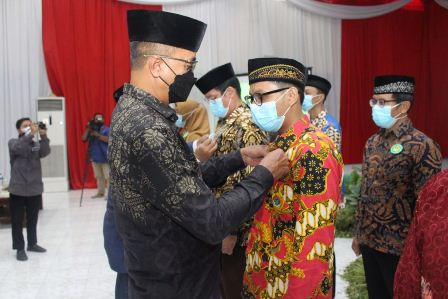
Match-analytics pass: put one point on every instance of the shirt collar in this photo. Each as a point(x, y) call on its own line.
point(322, 114)
point(285, 140)
point(150, 100)
point(401, 130)
point(234, 115)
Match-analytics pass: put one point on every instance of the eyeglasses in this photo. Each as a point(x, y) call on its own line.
point(257, 98)
point(380, 103)
point(192, 63)
point(208, 99)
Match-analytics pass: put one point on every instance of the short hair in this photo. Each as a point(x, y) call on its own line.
point(232, 82)
point(321, 92)
point(281, 84)
point(98, 113)
point(20, 121)
point(139, 49)
point(403, 97)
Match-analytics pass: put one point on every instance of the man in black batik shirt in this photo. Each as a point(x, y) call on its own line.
point(170, 222)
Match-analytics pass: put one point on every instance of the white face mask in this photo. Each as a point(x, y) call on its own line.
point(26, 130)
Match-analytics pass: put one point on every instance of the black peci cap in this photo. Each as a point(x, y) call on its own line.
point(320, 83)
point(394, 84)
point(277, 69)
point(215, 77)
point(165, 28)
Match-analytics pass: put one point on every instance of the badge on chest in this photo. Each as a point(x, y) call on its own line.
point(396, 149)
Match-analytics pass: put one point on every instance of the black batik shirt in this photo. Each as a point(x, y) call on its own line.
point(396, 164)
point(170, 222)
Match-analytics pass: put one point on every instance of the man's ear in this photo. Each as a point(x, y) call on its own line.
point(404, 107)
point(293, 96)
point(231, 91)
point(153, 66)
point(319, 98)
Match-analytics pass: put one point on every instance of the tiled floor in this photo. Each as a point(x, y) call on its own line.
point(75, 265)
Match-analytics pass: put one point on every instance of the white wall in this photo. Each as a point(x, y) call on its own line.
point(22, 70)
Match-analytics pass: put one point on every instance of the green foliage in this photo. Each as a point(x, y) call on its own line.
point(354, 275)
point(345, 220)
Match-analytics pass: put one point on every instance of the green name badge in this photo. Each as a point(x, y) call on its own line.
point(396, 149)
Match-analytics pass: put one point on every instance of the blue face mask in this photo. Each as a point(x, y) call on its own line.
point(217, 108)
point(308, 103)
point(382, 116)
point(266, 117)
point(180, 122)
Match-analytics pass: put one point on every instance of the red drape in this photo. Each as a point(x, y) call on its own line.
point(414, 4)
point(86, 52)
point(411, 42)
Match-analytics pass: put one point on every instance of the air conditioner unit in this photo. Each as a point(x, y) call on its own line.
point(51, 111)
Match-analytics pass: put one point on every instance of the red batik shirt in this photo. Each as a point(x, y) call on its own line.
point(290, 248)
point(423, 268)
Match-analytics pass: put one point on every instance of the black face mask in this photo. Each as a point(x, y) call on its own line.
point(180, 89)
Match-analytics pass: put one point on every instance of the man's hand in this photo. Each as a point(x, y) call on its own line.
point(252, 155)
point(277, 163)
point(228, 244)
point(95, 133)
point(205, 149)
point(34, 128)
point(355, 247)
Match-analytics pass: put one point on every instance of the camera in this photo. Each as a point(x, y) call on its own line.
point(93, 125)
point(42, 125)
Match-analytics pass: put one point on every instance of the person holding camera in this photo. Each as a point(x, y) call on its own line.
point(97, 134)
point(26, 186)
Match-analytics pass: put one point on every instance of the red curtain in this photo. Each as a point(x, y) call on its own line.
point(414, 4)
point(408, 42)
point(86, 52)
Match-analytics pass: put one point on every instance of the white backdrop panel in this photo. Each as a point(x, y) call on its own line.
point(22, 70)
point(239, 30)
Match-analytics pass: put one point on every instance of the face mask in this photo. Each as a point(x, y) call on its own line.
point(26, 131)
point(308, 103)
point(182, 119)
point(382, 116)
point(265, 116)
point(218, 109)
point(217, 106)
point(180, 89)
point(180, 122)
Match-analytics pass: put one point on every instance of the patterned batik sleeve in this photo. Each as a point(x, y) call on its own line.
point(359, 206)
point(247, 135)
point(251, 135)
point(172, 184)
point(336, 136)
point(428, 161)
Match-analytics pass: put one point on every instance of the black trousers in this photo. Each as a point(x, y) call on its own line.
point(232, 270)
point(379, 269)
point(121, 286)
point(19, 206)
